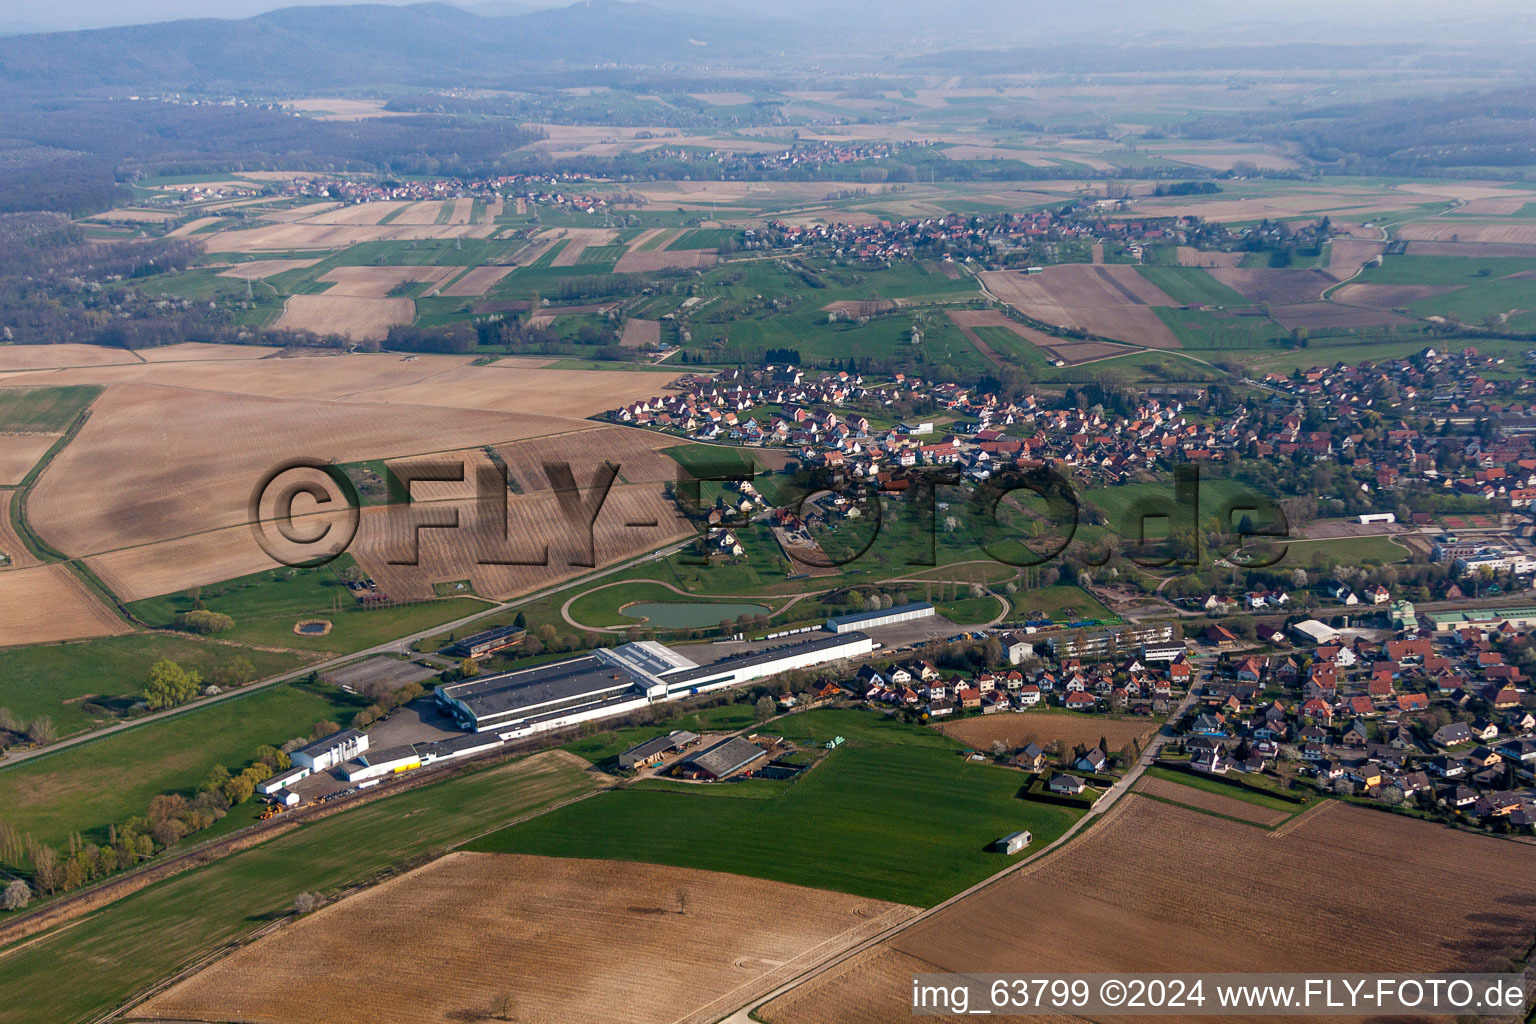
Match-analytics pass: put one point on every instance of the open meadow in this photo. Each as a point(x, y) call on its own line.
point(840, 826)
point(608, 942)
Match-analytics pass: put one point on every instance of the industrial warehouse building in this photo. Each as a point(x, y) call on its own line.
point(283, 779)
point(888, 617)
point(489, 642)
point(615, 682)
point(331, 750)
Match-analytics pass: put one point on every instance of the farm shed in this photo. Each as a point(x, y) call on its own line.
point(1315, 631)
point(652, 751)
point(724, 759)
point(282, 780)
point(1012, 843)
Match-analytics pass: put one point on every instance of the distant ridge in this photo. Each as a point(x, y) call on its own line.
point(371, 45)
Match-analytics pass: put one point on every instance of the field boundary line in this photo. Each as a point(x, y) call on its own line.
point(1296, 821)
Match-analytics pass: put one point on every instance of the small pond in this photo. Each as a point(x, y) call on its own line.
point(689, 614)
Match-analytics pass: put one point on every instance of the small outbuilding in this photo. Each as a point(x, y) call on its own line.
point(1012, 843)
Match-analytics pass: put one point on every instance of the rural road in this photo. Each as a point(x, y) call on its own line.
point(743, 1015)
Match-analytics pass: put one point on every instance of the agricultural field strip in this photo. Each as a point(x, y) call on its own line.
point(319, 515)
point(1201, 800)
point(793, 924)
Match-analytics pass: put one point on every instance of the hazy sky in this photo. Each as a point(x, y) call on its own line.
point(68, 14)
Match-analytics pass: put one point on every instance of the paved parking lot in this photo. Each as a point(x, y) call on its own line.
point(388, 671)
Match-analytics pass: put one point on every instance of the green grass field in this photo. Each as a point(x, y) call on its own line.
point(1124, 505)
point(55, 679)
point(77, 972)
point(1059, 602)
point(1345, 551)
point(1193, 286)
point(895, 813)
point(971, 611)
point(267, 605)
point(1202, 329)
point(85, 787)
point(44, 410)
point(601, 607)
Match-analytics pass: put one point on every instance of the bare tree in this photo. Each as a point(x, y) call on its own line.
point(502, 1006)
point(682, 900)
point(305, 903)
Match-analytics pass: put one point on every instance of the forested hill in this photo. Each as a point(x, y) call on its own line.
point(302, 49)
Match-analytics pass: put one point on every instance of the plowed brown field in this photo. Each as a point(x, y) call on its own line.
point(10, 544)
point(1488, 232)
point(1112, 301)
point(599, 942)
point(46, 603)
point(42, 357)
point(683, 259)
point(478, 281)
point(20, 452)
point(537, 531)
point(1192, 257)
point(357, 318)
point(376, 282)
point(1281, 287)
point(1229, 806)
point(1019, 729)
